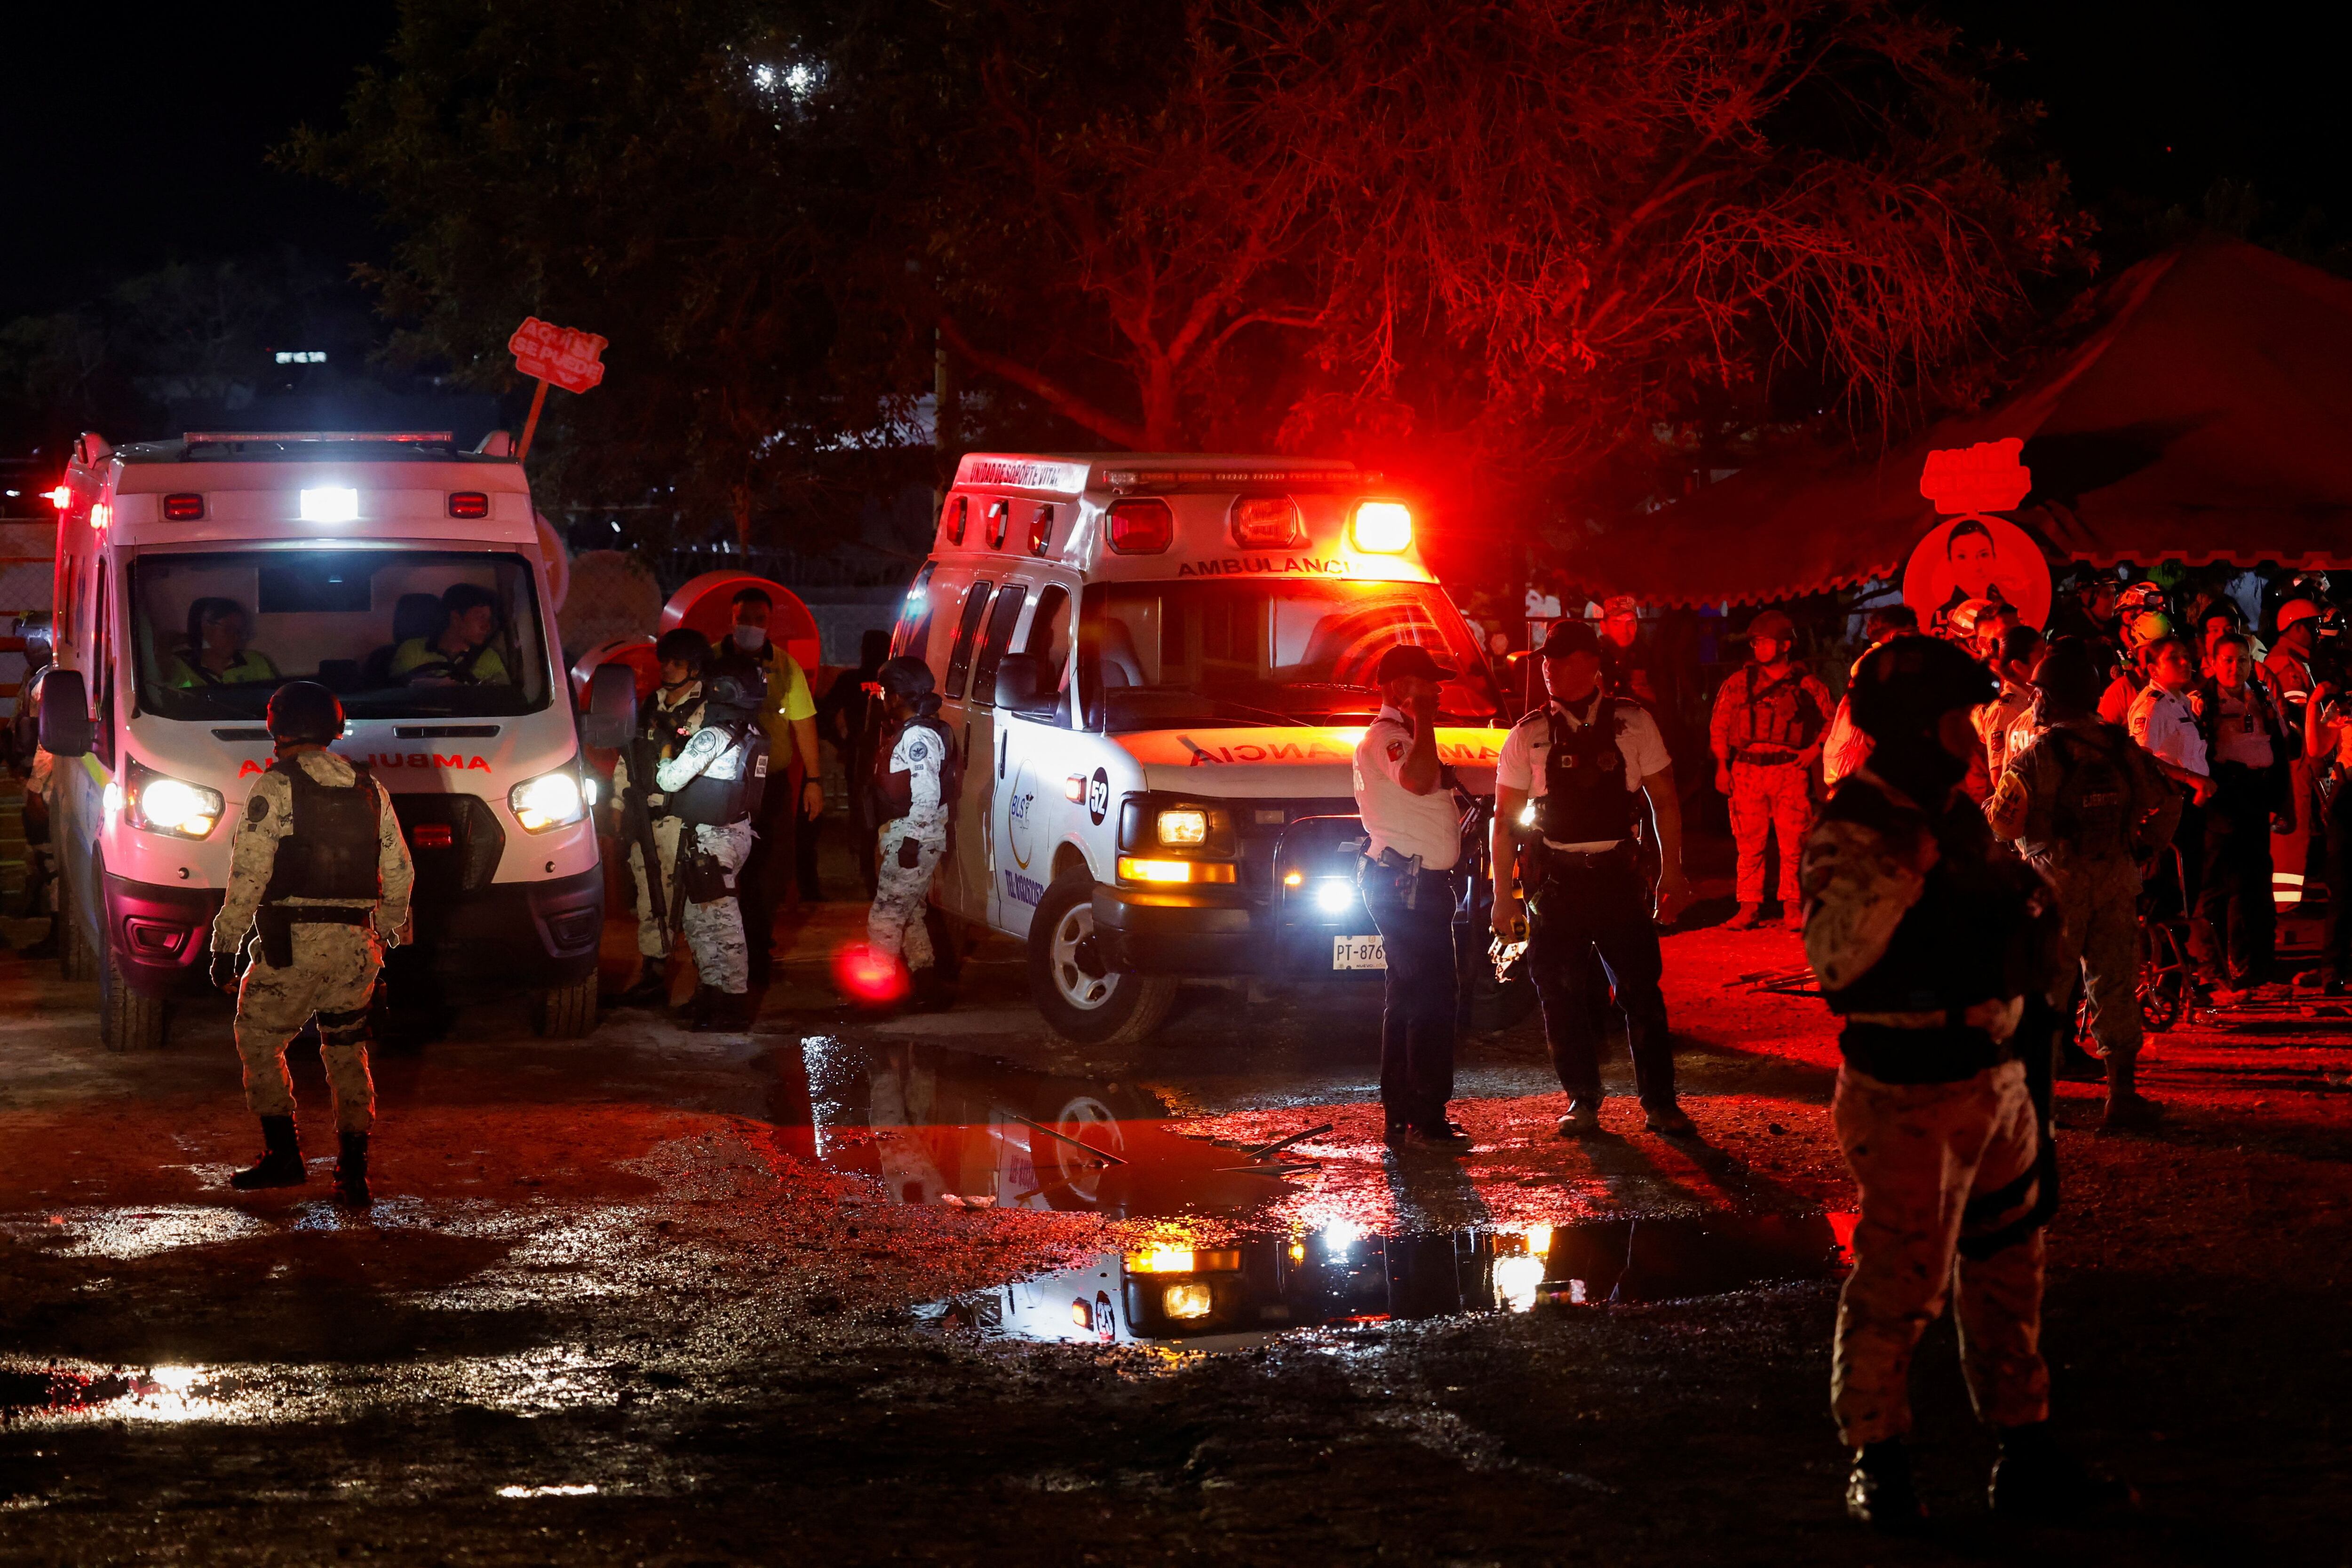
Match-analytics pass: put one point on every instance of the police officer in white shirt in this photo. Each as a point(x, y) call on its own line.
point(1575, 770)
point(2161, 720)
point(1412, 822)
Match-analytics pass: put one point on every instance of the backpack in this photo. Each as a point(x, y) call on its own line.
point(2092, 813)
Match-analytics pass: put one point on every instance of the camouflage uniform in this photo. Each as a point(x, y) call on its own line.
point(1763, 725)
point(679, 719)
point(334, 970)
point(714, 927)
point(909, 847)
point(1922, 939)
point(2083, 803)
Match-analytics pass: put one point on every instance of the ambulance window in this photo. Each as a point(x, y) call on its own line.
point(975, 606)
point(1049, 633)
point(998, 640)
point(913, 634)
point(101, 667)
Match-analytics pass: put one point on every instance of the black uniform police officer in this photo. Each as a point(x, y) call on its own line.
point(1575, 770)
point(1411, 885)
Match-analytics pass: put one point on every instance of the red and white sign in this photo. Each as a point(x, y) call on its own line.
point(558, 354)
point(1986, 477)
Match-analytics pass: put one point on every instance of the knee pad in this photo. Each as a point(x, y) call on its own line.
point(343, 1029)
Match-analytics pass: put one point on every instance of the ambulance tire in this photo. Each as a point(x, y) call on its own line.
point(126, 1020)
point(565, 1012)
point(77, 961)
point(1084, 1006)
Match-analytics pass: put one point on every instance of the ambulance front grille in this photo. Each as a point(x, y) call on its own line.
point(455, 839)
point(1260, 832)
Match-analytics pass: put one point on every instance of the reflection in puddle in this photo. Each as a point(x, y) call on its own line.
point(1241, 1291)
point(160, 1394)
point(946, 1127)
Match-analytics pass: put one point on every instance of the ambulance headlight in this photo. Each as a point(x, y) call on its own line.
point(1335, 896)
point(1187, 827)
point(1383, 527)
point(550, 801)
point(160, 804)
point(1190, 1300)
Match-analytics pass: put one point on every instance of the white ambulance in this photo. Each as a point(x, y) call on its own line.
point(1158, 668)
point(196, 576)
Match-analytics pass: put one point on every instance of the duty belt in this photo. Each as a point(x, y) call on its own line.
point(1589, 860)
point(315, 914)
point(1764, 755)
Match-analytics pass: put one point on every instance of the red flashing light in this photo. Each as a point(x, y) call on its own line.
point(999, 521)
point(101, 514)
point(1041, 529)
point(864, 975)
point(61, 498)
point(951, 527)
point(433, 836)
point(469, 504)
point(1141, 526)
point(1265, 522)
point(183, 508)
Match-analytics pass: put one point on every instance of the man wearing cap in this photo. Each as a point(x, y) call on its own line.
point(1770, 718)
point(1623, 671)
point(1574, 772)
point(1412, 884)
point(787, 821)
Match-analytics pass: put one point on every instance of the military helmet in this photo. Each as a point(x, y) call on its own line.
point(304, 713)
point(905, 676)
point(1905, 686)
point(735, 683)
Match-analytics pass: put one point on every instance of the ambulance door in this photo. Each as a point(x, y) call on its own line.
point(1034, 760)
point(962, 881)
point(975, 852)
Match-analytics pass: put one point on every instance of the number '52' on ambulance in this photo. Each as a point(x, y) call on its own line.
point(1157, 669)
point(196, 576)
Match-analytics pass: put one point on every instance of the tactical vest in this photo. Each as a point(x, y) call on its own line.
point(1780, 713)
point(729, 789)
point(332, 847)
point(2091, 812)
point(1585, 799)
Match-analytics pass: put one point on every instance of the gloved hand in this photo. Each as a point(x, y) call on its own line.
point(224, 971)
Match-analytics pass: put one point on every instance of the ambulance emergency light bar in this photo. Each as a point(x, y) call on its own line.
point(288, 437)
point(1337, 476)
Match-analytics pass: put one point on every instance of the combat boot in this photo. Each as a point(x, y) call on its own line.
point(351, 1170)
point(2034, 1478)
point(1878, 1490)
point(652, 987)
point(1747, 917)
point(2128, 1109)
point(721, 1012)
point(281, 1158)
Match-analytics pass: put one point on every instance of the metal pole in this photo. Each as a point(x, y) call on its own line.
point(531, 424)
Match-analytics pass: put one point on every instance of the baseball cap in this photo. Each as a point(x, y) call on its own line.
point(1773, 623)
point(1620, 604)
point(1571, 637)
point(1404, 660)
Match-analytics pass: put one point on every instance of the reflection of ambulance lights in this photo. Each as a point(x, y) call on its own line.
point(1383, 527)
point(1184, 1260)
point(61, 498)
point(1190, 1300)
point(100, 516)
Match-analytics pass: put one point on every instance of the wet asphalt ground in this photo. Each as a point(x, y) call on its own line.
point(849, 1290)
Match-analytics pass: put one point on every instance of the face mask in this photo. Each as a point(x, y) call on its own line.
point(749, 638)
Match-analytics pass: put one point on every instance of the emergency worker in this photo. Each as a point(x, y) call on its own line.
point(913, 782)
point(1583, 761)
point(2142, 632)
point(1626, 669)
point(2328, 755)
point(1771, 718)
point(1412, 826)
point(648, 825)
point(2289, 663)
point(713, 786)
point(784, 850)
point(318, 886)
point(216, 655)
point(459, 654)
point(1936, 952)
point(2087, 609)
point(2086, 807)
point(2012, 664)
point(2246, 747)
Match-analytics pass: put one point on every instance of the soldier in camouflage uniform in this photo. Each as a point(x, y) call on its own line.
point(913, 767)
point(713, 787)
point(1770, 718)
point(1933, 946)
point(670, 721)
point(319, 886)
point(2087, 804)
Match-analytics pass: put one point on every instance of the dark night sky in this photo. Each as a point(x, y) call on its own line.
point(154, 149)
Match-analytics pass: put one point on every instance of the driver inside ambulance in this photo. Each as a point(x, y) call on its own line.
point(460, 652)
point(216, 655)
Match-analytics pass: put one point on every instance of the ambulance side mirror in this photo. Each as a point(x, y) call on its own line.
point(65, 713)
point(1018, 678)
point(612, 712)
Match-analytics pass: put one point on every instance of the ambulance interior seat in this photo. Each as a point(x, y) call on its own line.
point(413, 615)
point(1122, 665)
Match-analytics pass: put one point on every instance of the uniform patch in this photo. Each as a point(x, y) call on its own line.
point(1396, 749)
point(256, 810)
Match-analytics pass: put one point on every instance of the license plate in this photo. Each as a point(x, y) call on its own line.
point(1359, 952)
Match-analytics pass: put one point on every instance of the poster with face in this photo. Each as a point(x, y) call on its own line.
point(1978, 555)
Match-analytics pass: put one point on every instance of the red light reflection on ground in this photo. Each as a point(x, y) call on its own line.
point(864, 975)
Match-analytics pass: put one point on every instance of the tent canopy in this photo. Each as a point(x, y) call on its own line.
point(2207, 417)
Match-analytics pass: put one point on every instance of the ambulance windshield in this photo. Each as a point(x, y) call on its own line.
point(1273, 650)
point(395, 633)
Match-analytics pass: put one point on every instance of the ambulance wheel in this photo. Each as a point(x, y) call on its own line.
point(127, 1020)
point(77, 961)
point(565, 1012)
point(1083, 999)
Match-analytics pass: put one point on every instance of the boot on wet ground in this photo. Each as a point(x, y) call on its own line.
point(2035, 1478)
point(1583, 1119)
point(651, 987)
point(1747, 917)
point(351, 1170)
point(281, 1158)
point(1878, 1490)
point(2128, 1109)
point(721, 1012)
point(1448, 1134)
point(1792, 916)
point(1669, 1122)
